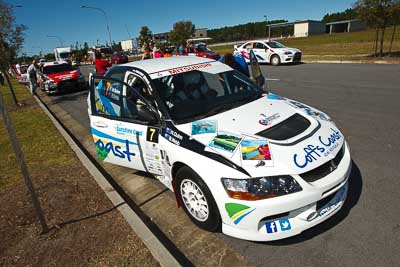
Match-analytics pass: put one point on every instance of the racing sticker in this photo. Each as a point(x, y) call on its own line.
point(122, 130)
point(153, 159)
point(225, 142)
point(152, 134)
point(118, 147)
point(255, 149)
point(181, 70)
point(237, 212)
point(310, 111)
point(267, 120)
point(272, 227)
point(275, 97)
point(173, 136)
point(323, 148)
point(204, 127)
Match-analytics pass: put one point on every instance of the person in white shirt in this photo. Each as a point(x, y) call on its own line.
point(32, 71)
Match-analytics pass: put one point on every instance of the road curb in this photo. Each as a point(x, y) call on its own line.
point(157, 249)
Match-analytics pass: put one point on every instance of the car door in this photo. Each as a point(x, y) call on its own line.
point(256, 72)
point(260, 51)
point(124, 133)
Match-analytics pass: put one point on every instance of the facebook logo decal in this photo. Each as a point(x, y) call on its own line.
point(285, 224)
point(271, 227)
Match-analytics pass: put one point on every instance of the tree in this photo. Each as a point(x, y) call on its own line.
point(395, 11)
point(85, 47)
point(145, 35)
point(377, 14)
point(182, 31)
point(11, 35)
point(11, 40)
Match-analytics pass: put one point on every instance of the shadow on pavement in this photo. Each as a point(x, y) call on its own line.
point(353, 195)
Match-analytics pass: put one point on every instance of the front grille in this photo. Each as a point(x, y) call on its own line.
point(324, 169)
point(325, 201)
point(297, 56)
point(67, 85)
point(287, 129)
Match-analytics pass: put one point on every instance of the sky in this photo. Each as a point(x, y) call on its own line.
point(70, 22)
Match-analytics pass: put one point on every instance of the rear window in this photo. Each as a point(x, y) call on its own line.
point(56, 68)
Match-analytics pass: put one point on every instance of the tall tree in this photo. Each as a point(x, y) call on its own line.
point(395, 15)
point(85, 46)
point(377, 14)
point(11, 40)
point(11, 35)
point(182, 31)
point(145, 35)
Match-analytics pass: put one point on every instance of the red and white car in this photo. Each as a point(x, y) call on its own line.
point(60, 76)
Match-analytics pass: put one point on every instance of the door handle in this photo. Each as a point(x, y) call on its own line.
point(100, 124)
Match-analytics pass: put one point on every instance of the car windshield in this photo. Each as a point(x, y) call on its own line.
point(64, 55)
point(195, 95)
point(203, 48)
point(56, 68)
point(275, 45)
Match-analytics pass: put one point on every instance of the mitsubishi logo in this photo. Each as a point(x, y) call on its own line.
point(333, 166)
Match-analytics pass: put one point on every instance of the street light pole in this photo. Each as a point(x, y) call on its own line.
point(269, 28)
point(105, 16)
point(41, 49)
point(58, 37)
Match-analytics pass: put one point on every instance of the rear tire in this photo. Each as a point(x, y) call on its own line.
point(197, 200)
point(275, 60)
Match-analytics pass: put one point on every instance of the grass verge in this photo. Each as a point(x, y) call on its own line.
point(86, 229)
point(353, 44)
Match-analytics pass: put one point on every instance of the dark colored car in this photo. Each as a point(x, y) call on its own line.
point(119, 58)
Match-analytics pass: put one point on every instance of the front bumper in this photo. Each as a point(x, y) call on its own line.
point(66, 86)
point(296, 57)
point(286, 216)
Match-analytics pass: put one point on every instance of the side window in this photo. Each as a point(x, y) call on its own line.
point(248, 45)
point(259, 46)
point(117, 100)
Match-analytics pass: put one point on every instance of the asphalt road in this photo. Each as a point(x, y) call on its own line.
point(363, 100)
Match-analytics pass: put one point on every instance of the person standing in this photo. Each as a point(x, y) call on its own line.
point(32, 75)
point(236, 62)
point(101, 64)
point(1, 79)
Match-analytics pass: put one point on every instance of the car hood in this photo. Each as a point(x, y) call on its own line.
point(62, 76)
point(272, 133)
point(286, 49)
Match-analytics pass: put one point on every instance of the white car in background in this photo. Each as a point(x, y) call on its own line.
point(268, 51)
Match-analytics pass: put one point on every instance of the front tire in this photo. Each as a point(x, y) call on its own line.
point(275, 60)
point(197, 200)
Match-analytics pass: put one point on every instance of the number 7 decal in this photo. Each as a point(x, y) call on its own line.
point(152, 134)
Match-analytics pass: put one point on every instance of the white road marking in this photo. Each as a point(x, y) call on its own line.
point(273, 79)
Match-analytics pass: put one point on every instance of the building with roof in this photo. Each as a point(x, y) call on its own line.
point(345, 26)
point(304, 28)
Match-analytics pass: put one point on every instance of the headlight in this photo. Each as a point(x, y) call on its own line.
point(288, 53)
point(260, 188)
point(51, 84)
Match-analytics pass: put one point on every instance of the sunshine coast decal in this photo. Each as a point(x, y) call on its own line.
point(313, 152)
point(106, 144)
point(237, 212)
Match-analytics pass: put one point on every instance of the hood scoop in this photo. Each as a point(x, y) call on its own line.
point(291, 127)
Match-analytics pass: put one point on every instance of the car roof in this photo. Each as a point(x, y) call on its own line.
point(167, 63)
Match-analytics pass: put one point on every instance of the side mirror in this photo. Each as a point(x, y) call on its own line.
point(145, 114)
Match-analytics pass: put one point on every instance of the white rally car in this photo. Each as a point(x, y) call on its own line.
point(250, 163)
point(268, 51)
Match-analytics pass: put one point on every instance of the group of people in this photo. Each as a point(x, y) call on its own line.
point(153, 51)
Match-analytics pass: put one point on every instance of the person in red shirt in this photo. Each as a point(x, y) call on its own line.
point(101, 64)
